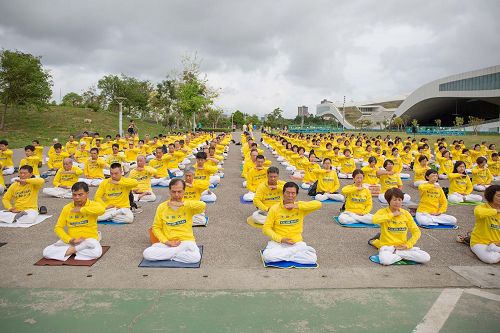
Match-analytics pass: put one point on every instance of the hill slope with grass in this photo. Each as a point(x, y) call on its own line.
point(22, 126)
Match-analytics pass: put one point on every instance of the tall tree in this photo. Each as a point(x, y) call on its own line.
point(72, 99)
point(23, 81)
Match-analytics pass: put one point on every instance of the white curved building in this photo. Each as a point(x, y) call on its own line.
point(327, 109)
point(475, 93)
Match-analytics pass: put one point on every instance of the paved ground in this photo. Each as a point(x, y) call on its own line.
point(231, 262)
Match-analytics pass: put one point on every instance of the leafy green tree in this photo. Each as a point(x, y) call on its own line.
point(72, 99)
point(23, 81)
point(238, 118)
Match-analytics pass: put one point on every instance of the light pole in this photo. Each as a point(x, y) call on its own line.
point(232, 123)
point(120, 114)
point(343, 115)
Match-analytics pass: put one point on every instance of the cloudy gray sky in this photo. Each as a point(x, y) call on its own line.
point(262, 54)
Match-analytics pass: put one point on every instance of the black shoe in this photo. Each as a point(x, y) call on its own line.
point(42, 210)
point(370, 241)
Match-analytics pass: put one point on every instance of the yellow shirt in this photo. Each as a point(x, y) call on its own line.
point(255, 177)
point(309, 175)
point(481, 176)
point(347, 165)
point(81, 156)
point(283, 223)
point(487, 227)
point(265, 197)
point(56, 160)
point(118, 158)
point(115, 194)
point(390, 181)
point(25, 196)
point(445, 166)
point(194, 191)
point(370, 175)
point(460, 183)
point(420, 172)
point(81, 224)
point(39, 152)
point(6, 158)
point(131, 154)
point(432, 199)
point(356, 200)
point(170, 224)
point(33, 161)
point(494, 167)
point(327, 181)
point(205, 173)
point(394, 229)
point(160, 166)
point(143, 178)
point(93, 169)
point(71, 147)
point(67, 179)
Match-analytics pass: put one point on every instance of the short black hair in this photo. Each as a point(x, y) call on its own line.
point(80, 186)
point(57, 146)
point(175, 181)
point(28, 168)
point(357, 172)
point(393, 192)
point(387, 162)
point(35, 140)
point(457, 164)
point(260, 157)
point(372, 159)
point(273, 169)
point(481, 160)
point(201, 155)
point(429, 172)
point(422, 157)
point(94, 149)
point(115, 166)
point(115, 145)
point(490, 192)
point(291, 184)
point(29, 147)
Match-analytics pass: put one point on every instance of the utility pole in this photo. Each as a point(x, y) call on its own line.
point(343, 115)
point(120, 114)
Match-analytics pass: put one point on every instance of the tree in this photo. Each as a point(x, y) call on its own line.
point(414, 122)
point(72, 99)
point(238, 118)
point(379, 123)
point(275, 118)
point(23, 81)
point(475, 122)
point(398, 122)
point(459, 121)
point(438, 122)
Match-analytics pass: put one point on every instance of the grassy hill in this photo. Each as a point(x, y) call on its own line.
point(60, 121)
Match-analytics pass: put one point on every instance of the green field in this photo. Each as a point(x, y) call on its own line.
point(59, 121)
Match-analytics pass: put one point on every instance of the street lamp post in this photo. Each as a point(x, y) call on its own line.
point(120, 114)
point(343, 115)
point(232, 123)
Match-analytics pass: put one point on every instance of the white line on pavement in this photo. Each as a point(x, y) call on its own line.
point(439, 312)
point(483, 294)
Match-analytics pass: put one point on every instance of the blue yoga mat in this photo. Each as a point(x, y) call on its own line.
point(245, 202)
point(355, 225)
point(438, 227)
point(327, 200)
point(159, 186)
point(402, 262)
point(213, 185)
point(171, 263)
point(286, 264)
point(464, 203)
point(109, 222)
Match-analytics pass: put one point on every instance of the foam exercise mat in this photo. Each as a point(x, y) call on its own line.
point(438, 227)
point(402, 262)
point(71, 260)
point(286, 264)
point(327, 200)
point(39, 219)
point(109, 222)
point(464, 203)
point(213, 185)
point(171, 263)
point(355, 225)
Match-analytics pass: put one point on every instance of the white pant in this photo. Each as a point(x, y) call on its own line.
point(28, 218)
point(165, 181)
point(245, 183)
point(298, 175)
point(480, 188)
point(207, 196)
point(2, 189)
point(381, 197)
point(291, 168)
point(442, 176)
point(123, 215)
point(79, 165)
point(404, 175)
point(199, 219)
point(347, 217)
point(298, 252)
point(8, 171)
point(248, 196)
point(496, 178)
point(345, 176)
point(388, 255)
point(177, 172)
point(489, 254)
point(457, 197)
point(428, 219)
point(280, 159)
point(305, 186)
point(147, 198)
point(91, 182)
point(259, 217)
point(214, 180)
point(419, 182)
point(332, 196)
point(89, 249)
point(58, 192)
point(187, 252)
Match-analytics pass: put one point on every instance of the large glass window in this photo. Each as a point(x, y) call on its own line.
point(483, 82)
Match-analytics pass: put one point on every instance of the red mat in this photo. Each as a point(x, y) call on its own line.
point(71, 260)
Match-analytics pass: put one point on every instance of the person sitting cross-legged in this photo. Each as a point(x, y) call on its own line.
point(461, 185)
point(328, 183)
point(255, 176)
point(358, 201)
point(268, 194)
point(193, 191)
point(395, 223)
point(284, 225)
point(143, 173)
point(173, 227)
point(64, 180)
point(93, 174)
point(81, 237)
point(113, 194)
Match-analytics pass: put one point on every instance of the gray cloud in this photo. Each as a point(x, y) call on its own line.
point(262, 53)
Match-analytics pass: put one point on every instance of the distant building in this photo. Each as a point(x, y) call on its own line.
point(303, 111)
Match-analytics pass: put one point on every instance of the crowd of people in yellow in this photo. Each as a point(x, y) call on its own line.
point(126, 170)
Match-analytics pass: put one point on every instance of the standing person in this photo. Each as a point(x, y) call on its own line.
point(21, 199)
point(395, 223)
point(284, 225)
point(485, 237)
point(113, 194)
point(173, 227)
point(132, 129)
point(80, 219)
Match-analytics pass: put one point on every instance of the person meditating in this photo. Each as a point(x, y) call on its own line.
point(173, 227)
point(395, 223)
point(20, 202)
point(358, 201)
point(485, 237)
point(143, 173)
point(113, 193)
point(284, 225)
point(268, 194)
point(193, 190)
point(64, 180)
point(93, 169)
point(80, 219)
point(328, 183)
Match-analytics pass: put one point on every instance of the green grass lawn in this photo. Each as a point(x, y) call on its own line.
point(58, 122)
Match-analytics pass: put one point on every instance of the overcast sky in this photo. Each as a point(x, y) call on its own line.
point(262, 54)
